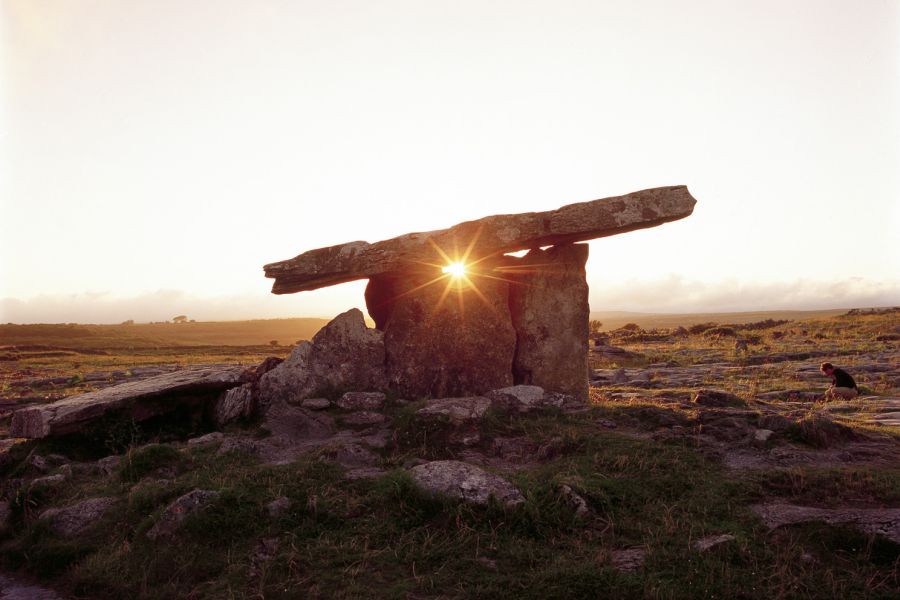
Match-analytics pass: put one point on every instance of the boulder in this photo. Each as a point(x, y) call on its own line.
point(821, 432)
point(48, 481)
point(138, 400)
point(361, 401)
point(494, 235)
point(447, 339)
point(465, 482)
point(578, 504)
point(717, 398)
point(238, 445)
point(774, 422)
point(6, 447)
point(296, 424)
point(108, 465)
point(176, 512)
point(343, 354)
point(290, 380)
point(711, 541)
point(316, 403)
point(209, 438)
point(514, 449)
point(880, 521)
point(363, 418)
point(548, 303)
point(354, 455)
point(294, 431)
point(13, 589)
point(457, 410)
point(234, 404)
point(278, 506)
point(72, 520)
point(525, 398)
point(628, 560)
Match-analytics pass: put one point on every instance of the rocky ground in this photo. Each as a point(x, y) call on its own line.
point(702, 466)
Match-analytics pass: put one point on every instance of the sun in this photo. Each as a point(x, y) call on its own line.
point(455, 269)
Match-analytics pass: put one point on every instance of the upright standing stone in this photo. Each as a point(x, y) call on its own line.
point(549, 305)
point(442, 342)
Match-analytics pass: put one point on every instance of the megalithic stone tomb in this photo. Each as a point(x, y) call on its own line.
point(504, 320)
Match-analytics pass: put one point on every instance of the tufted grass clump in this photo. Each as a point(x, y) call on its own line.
point(149, 459)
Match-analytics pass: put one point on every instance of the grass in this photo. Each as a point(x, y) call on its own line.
point(83, 338)
point(383, 538)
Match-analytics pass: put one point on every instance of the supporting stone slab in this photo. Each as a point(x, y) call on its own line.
point(445, 339)
point(548, 302)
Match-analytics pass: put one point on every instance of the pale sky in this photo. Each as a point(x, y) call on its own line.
point(155, 154)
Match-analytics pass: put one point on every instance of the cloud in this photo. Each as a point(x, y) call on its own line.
point(162, 305)
point(676, 294)
point(672, 294)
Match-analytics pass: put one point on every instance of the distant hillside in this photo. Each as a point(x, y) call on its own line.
point(143, 335)
point(615, 319)
point(288, 331)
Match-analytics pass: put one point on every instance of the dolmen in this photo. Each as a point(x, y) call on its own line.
point(455, 314)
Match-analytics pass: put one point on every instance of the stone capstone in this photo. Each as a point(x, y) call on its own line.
point(548, 302)
point(345, 354)
point(490, 236)
point(465, 482)
point(138, 400)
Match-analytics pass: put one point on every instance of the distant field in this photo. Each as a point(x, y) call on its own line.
point(288, 331)
point(148, 335)
point(615, 319)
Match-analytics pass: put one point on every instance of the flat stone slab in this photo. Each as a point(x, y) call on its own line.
point(72, 520)
point(497, 234)
point(11, 588)
point(143, 399)
point(881, 521)
point(175, 513)
point(458, 410)
point(465, 482)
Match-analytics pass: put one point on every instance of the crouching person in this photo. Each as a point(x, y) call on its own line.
point(842, 384)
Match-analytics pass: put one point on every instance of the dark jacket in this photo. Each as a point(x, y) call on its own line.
point(841, 378)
